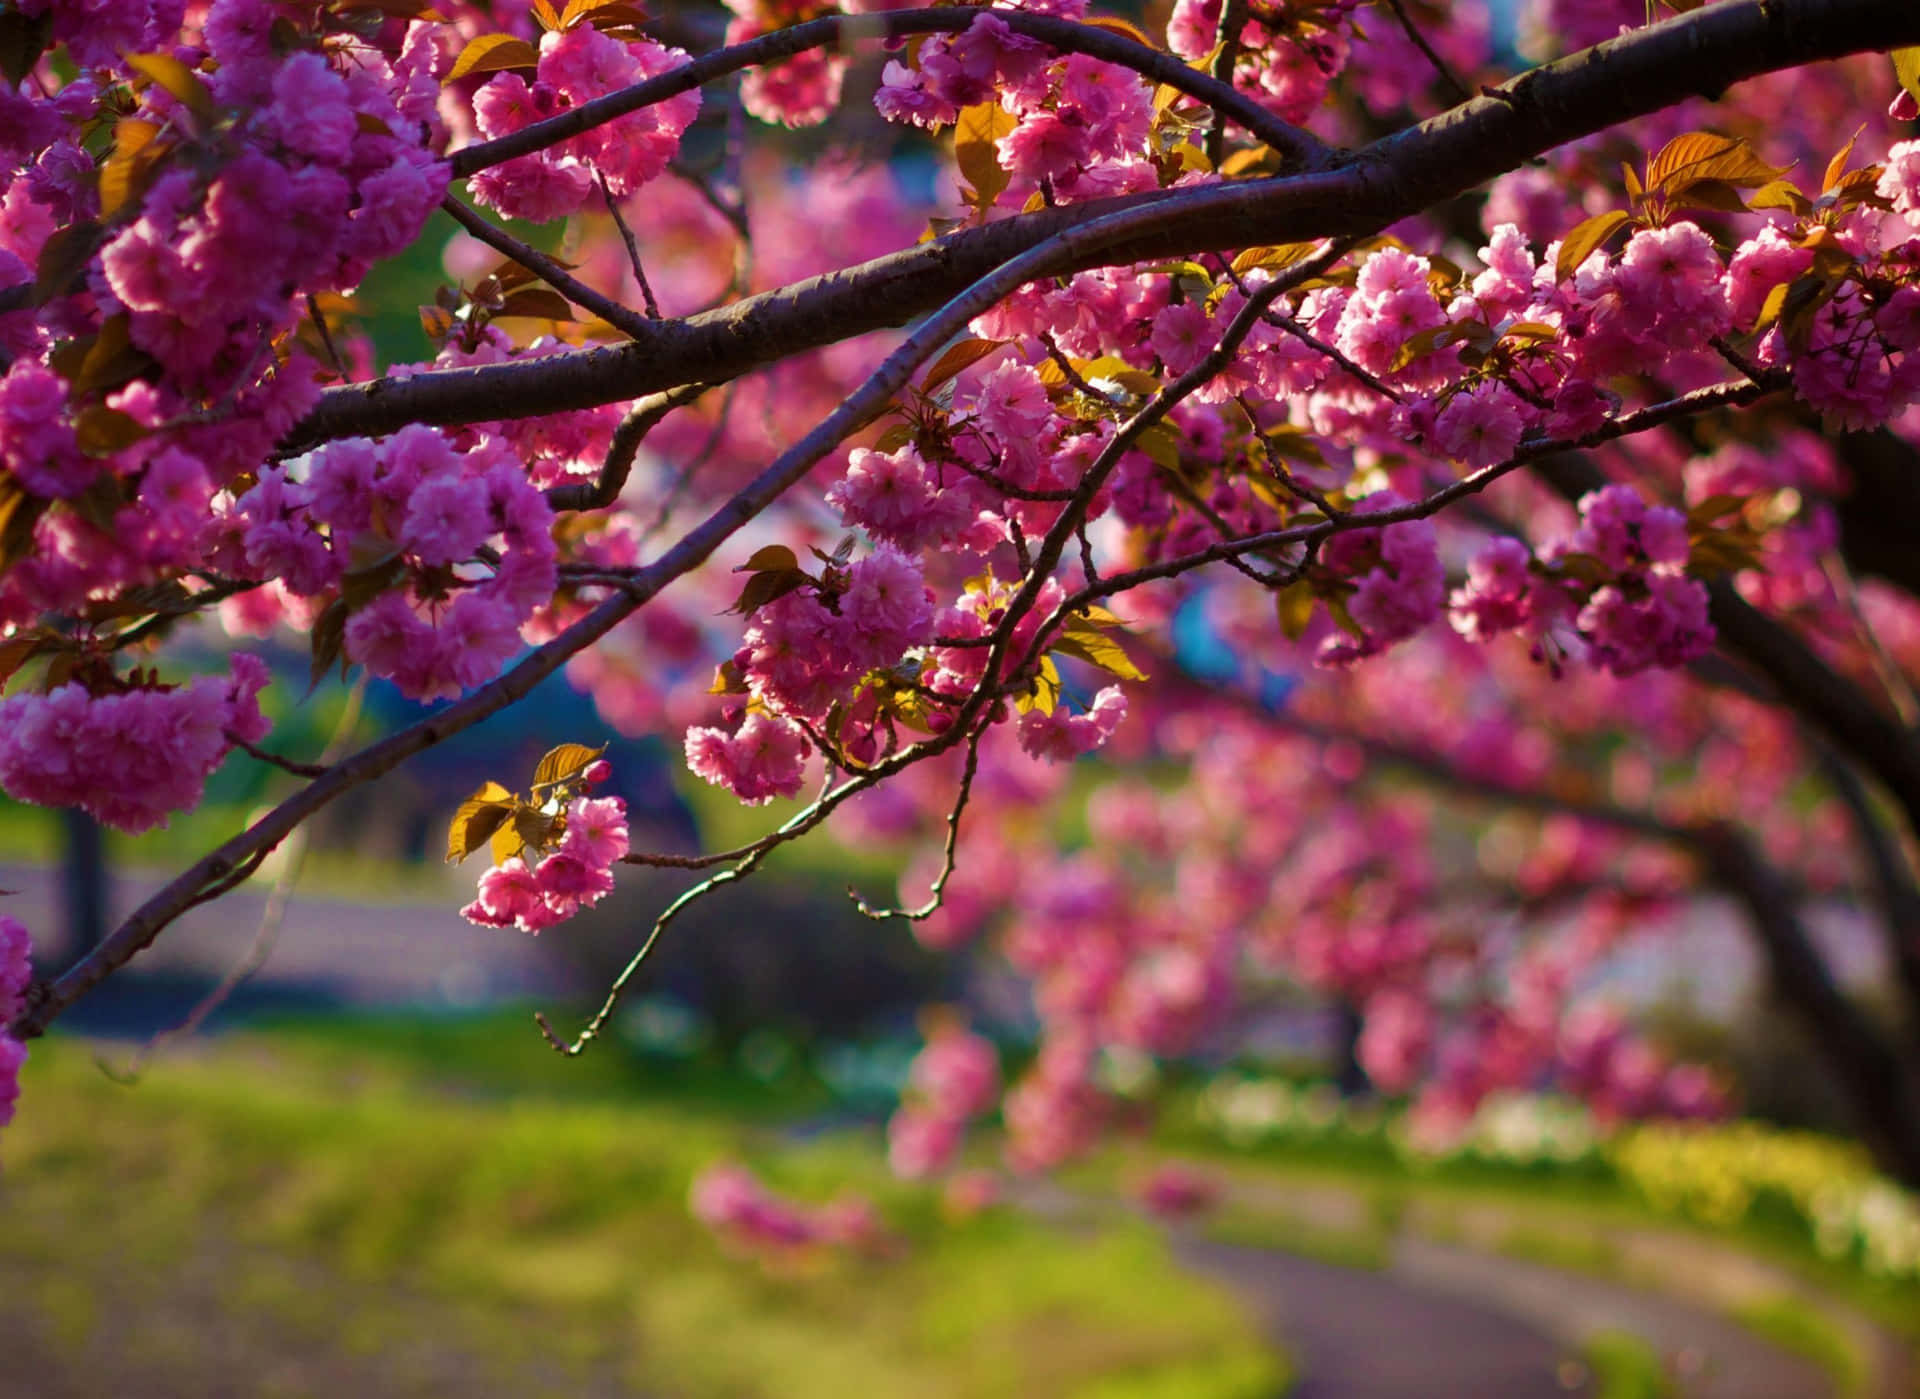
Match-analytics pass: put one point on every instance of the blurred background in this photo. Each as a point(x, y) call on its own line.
point(365, 1172)
point(312, 1144)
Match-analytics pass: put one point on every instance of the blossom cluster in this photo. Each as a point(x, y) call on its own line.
point(1641, 609)
point(954, 1079)
point(577, 65)
point(128, 757)
point(535, 890)
point(733, 1202)
point(15, 973)
point(397, 518)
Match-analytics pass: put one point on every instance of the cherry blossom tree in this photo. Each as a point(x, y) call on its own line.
point(1463, 482)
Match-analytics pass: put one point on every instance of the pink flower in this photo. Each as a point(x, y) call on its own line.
point(13, 1056)
point(1045, 146)
point(956, 1075)
point(596, 831)
point(1666, 627)
point(1481, 426)
point(1495, 598)
point(764, 760)
point(508, 895)
point(921, 1144)
point(16, 969)
point(448, 518)
point(1174, 1191)
point(1899, 181)
point(1061, 735)
point(887, 608)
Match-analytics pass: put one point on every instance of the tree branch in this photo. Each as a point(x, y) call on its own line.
point(543, 267)
point(1706, 50)
point(1300, 148)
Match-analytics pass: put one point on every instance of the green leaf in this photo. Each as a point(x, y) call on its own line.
point(767, 586)
point(63, 258)
point(957, 358)
point(328, 639)
point(112, 359)
point(563, 764)
point(1295, 604)
point(493, 53)
point(1712, 194)
point(101, 431)
point(537, 302)
point(1906, 68)
point(477, 819)
point(174, 78)
point(1087, 643)
point(974, 133)
point(1585, 239)
point(1162, 444)
point(1713, 507)
point(773, 558)
point(17, 651)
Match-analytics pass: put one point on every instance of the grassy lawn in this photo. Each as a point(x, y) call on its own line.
point(304, 1203)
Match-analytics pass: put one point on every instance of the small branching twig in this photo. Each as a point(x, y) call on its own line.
point(939, 890)
point(641, 419)
point(545, 268)
point(633, 246)
point(1461, 92)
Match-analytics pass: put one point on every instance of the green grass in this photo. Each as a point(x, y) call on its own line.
point(1624, 1367)
point(1794, 1326)
point(316, 1185)
point(1245, 1227)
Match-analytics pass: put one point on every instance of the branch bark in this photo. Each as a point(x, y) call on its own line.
point(1701, 52)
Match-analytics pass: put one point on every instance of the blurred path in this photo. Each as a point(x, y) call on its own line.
point(1357, 1334)
point(370, 953)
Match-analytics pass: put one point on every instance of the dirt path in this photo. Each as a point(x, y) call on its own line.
point(1357, 1334)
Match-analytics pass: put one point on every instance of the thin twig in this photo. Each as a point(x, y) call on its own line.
point(545, 268)
point(939, 890)
point(641, 419)
point(298, 769)
point(1461, 92)
point(633, 247)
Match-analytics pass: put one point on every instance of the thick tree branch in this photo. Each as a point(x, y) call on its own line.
point(1704, 51)
point(1881, 1089)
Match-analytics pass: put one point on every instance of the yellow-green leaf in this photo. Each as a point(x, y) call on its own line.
point(1838, 165)
point(774, 558)
point(477, 819)
point(957, 358)
point(1906, 67)
point(505, 843)
point(564, 763)
point(493, 53)
point(1294, 604)
point(1095, 647)
point(1275, 258)
point(1585, 239)
point(123, 178)
point(974, 133)
point(175, 79)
